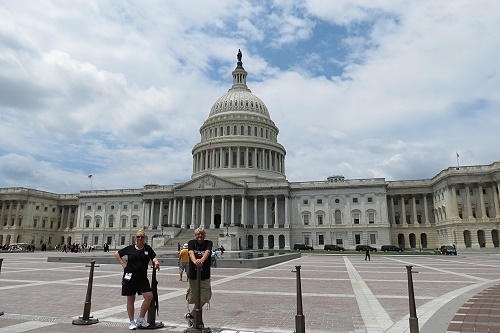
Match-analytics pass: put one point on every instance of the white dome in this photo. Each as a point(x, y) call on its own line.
point(239, 100)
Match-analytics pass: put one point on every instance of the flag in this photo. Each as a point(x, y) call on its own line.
point(458, 155)
point(90, 176)
point(210, 145)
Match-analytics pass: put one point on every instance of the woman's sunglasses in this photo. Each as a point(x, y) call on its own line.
point(139, 236)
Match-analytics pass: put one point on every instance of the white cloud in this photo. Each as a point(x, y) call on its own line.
point(119, 90)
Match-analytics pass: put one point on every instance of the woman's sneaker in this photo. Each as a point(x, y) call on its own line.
point(141, 322)
point(190, 319)
point(132, 325)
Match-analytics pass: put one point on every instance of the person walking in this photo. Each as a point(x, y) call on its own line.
point(367, 254)
point(135, 277)
point(199, 250)
point(183, 262)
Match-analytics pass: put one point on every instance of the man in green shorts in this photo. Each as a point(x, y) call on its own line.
point(199, 250)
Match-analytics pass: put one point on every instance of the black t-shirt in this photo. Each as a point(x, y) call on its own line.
point(199, 251)
point(138, 260)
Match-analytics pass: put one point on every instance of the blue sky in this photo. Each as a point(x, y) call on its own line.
point(119, 89)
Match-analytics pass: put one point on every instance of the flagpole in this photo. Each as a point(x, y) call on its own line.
point(458, 164)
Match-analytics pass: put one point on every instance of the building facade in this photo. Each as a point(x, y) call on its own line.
point(238, 186)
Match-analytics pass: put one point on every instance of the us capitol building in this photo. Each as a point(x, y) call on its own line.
point(239, 192)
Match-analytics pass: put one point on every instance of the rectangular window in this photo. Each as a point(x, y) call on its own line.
point(97, 223)
point(458, 192)
point(319, 201)
point(89, 208)
point(35, 221)
point(339, 241)
point(371, 218)
point(320, 219)
point(406, 201)
point(306, 219)
point(122, 240)
point(370, 199)
point(373, 239)
point(136, 207)
point(417, 201)
point(125, 206)
point(99, 207)
point(96, 240)
point(338, 217)
point(355, 217)
point(45, 209)
point(396, 202)
point(135, 223)
point(357, 239)
point(419, 218)
point(109, 240)
point(87, 223)
point(124, 223)
point(354, 200)
point(305, 202)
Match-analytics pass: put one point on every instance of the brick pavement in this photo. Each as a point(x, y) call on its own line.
point(341, 293)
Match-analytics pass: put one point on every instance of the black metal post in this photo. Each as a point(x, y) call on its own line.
point(1, 260)
point(300, 321)
point(413, 320)
point(153, 306)
point(198, 319)
point(85, 319)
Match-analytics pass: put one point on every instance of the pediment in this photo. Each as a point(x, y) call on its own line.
point(208, 182)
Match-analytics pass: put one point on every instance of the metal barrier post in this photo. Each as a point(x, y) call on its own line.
point(1, 260)
point(198, 320)
point(86, 319)
point(413, 320)
point(300, 321)
point(153, 306)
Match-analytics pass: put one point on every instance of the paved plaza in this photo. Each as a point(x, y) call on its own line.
point(341, 293)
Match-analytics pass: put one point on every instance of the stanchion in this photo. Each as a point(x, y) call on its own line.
point(1, 260)
point(86, 318)
point(300, 320)
point(153, 306)
point(198, 319)
point(413, 320)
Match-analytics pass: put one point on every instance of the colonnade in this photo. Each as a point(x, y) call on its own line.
point(229, 210)
point(413, 212)
point(238, 157)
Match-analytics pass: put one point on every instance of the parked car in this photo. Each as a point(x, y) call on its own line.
point(333, 248)
point(365, 247)
point(448, 249)
point(386, 248)
point(302, 247)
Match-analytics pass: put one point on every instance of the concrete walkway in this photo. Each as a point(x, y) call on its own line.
point(341, 293)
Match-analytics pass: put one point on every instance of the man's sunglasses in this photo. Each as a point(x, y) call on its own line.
point(139, 236)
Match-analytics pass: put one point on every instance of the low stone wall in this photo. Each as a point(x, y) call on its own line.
point(171, 260)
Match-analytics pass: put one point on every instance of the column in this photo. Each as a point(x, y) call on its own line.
point(238, 159)
point(193, 207)
point(222, 215)
point(265, 212)
point(69, 216)
point(403, 210)
point(202, 222)
point(170, 211)
point(393, 213)
point(184, 223)
point(468, 203)
point(414, 202)
point(151, 212)
point(160, 217)
point(212, 210)
point(174, 212)
point(232, 211)
point(286, 212)
point(246, 157)
point(454, 204)
point(243, 221)
point(230, 157)
point(16, 218)
point(495, 198)
point(481, 200)
point(2, 218)
point(276, 221)
point(426, 210)
point(255, 221)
